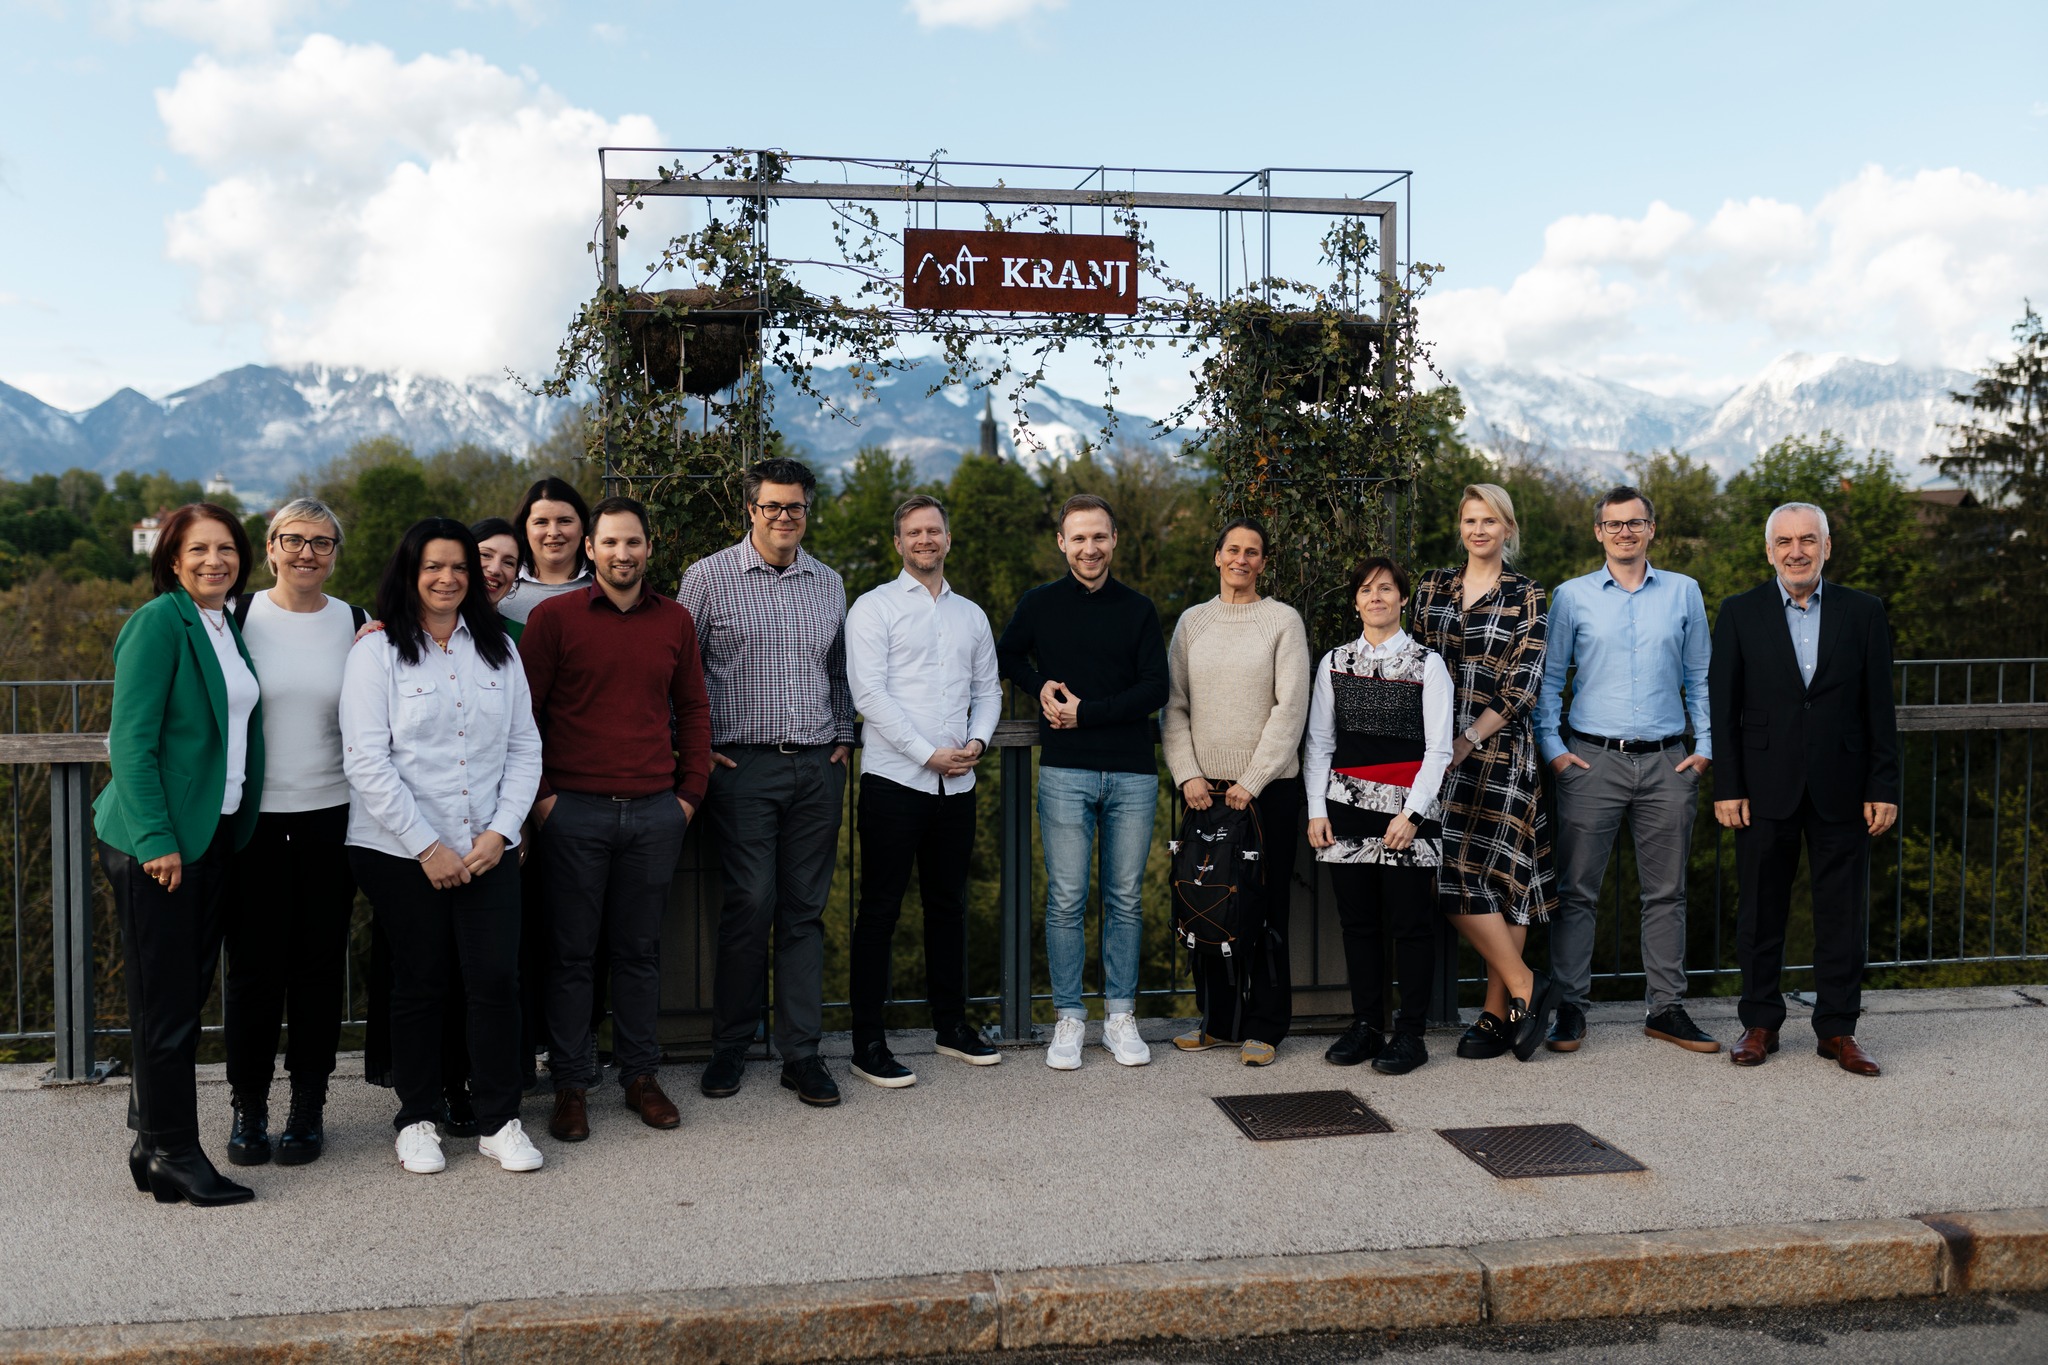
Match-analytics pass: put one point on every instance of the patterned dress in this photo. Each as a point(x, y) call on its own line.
point(1496, 841)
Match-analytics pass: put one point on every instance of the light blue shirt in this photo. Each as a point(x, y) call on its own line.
point(1804, 623)
point(1641, 658)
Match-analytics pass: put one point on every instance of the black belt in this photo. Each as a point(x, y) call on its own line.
point(1631, 746)
point(785, 747)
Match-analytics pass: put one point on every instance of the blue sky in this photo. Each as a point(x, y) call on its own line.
point(1669, 194)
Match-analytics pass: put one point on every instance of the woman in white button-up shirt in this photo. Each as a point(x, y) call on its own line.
point(443, 759)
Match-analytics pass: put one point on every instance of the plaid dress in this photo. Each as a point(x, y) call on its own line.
point(1496, 842)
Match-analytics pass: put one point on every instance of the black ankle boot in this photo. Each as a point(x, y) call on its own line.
point(138, 1162)
point(249, 1139)
point(304, 1135)
point(182, 1171)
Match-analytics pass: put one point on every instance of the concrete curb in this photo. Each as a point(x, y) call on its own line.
point(1547, 1279)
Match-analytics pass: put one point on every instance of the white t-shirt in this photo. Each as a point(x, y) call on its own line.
point(300, 657)
point(242, 697)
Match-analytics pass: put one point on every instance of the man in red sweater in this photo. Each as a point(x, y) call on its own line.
point(625, 724)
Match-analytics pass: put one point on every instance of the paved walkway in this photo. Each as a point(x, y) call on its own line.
point(1016, 1166)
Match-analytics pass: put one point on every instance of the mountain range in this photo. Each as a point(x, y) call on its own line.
point(261, 426)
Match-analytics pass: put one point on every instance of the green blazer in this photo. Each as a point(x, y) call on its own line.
point(167, 742)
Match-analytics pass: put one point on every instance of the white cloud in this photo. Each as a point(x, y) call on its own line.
point(427, 215)
point(223, 25)
point(976, 13)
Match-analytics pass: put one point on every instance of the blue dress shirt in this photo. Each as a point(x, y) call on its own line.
point(1641, 658)
point(1804, 623)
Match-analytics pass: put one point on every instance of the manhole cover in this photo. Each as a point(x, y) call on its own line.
point(1301, 1114)
point(1532, 1149)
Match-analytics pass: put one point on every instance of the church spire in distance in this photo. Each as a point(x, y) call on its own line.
point(989, 448)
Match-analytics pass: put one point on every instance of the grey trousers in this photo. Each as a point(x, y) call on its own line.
point(1659, 803)
point(777, 817)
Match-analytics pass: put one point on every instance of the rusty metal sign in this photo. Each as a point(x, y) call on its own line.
point(1019, 272)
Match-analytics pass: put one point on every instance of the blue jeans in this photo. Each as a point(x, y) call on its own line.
point(1074, 806)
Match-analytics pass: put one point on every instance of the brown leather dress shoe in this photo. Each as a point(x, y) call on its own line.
point(655, 1109)
point(1754, 1046)
point(1845, 1052)
point(569, 1122)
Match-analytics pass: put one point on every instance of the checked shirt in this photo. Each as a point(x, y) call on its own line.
point(774, 647)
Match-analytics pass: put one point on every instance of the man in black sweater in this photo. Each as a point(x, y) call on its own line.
point(1091, 651)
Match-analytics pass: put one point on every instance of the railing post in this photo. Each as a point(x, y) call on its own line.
point(1014, 896)
point(71, 925)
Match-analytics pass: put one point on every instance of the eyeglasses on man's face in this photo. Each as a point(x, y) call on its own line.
point(1634, 526)
point(291, 544)
point(783, 511)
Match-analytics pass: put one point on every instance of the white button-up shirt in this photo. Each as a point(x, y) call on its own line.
point(442, 749)
point(923, 674)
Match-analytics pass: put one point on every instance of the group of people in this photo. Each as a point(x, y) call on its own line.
point(505, 751)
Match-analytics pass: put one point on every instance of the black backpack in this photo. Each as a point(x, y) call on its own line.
point(248, 599)
point(1217, 871)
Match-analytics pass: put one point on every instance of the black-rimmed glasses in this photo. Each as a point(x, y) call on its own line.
point(291, 544)
point(778, 511)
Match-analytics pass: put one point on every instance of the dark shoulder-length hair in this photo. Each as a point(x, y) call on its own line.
point(398, 596)
point(170, 539)
point(550, 489)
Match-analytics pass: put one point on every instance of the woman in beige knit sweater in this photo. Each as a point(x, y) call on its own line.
point(1239, 670)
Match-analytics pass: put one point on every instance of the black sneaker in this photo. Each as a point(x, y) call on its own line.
point(722, 1077)
point(1406, 1052)
point(811, 1081)
point(1568, 1030)
point(875, 1064)
point(963, 1042)
point(1359, 1043)
point(1674, 1025)
point(1488, 1037)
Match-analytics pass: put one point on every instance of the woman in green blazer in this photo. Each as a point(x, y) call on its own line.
point(186, 749)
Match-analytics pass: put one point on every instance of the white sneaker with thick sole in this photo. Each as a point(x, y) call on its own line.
point(419, 1149)
point(1120, 1036)
point(1065, 1052)
point(511, 1148)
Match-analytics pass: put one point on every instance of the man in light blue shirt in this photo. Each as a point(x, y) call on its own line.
point(1637, 639)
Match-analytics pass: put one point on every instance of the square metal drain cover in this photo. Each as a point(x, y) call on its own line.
point(1533, 1149)
point(1301, 1114)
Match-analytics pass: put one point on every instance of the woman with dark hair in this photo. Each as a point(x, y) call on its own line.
point(443, 760)
point(1379, 741)
point(1237, 672)
point(185, 745)
point(551, 524)
point(497, 548)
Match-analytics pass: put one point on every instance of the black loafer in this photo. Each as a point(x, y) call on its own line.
point(811, 1081)
point(1528, 1029)
point(1406, 1052)
point(722, 1077)
point(1486, 1038)
point(1359, 1043)
point(1568, 1031)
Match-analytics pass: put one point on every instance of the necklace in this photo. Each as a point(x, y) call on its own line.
point(219, 627)
point(441, 643)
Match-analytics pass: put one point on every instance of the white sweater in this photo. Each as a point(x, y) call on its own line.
point(300, 657)
point(1238, 693)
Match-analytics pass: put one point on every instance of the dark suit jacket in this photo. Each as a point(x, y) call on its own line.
point(1775, 738)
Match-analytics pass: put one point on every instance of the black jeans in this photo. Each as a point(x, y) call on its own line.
point(1254, 998)
point(1404, 899)
point(476, 927)
point(1766, 860)
point(901, 827)
point(287, 937)
point(610, 864)
point(170, 943)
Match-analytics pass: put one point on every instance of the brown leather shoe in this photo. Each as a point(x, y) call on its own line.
point(644, 1098)
point(1849, 1055)
point(1754, 1046)
point(569, 1122)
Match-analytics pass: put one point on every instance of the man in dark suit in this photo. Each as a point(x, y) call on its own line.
point(1808, 747)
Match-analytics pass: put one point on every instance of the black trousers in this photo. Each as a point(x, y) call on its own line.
point(1766, 861)
point(1257, 1000)
point(900, 828)
point(287, 937)
point(170, 944)
point(475, 927)
point(610, 864)
point(1403, 899)
point(377, 1023)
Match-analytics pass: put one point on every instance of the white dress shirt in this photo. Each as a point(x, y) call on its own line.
point(442, 749)
point(1438, 694)
point(922, 670)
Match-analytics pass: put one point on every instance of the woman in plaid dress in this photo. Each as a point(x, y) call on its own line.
point(1486, 621)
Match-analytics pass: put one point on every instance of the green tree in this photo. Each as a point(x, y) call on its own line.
point(853, 528)
point(1000, 525)
point(1165, 521)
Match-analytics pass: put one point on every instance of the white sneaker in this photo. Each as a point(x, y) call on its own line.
point(512, 1148)
point(419, 1149)
point(1120, 1036)
point(1065, 1052)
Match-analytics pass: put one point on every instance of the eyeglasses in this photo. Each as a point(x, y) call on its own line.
point(778, 511)
point(1634, 525)
point(322, 546)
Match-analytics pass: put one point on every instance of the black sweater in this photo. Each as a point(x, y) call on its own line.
point(1106, 646)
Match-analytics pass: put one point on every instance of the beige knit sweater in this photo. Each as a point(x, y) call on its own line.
point(1239, 693)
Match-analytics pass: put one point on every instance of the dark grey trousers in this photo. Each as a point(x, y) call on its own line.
point(777, 817)
point(1659, 803)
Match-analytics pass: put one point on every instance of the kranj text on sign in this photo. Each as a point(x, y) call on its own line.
point(1019, 272)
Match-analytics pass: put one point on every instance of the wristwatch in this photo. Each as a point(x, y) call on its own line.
point(1474, 740)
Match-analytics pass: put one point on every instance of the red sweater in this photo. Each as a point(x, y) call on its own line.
point(604, 685)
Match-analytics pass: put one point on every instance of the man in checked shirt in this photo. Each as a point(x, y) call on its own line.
point(771, 624)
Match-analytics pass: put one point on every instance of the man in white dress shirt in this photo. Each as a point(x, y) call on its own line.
point(921, 663)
